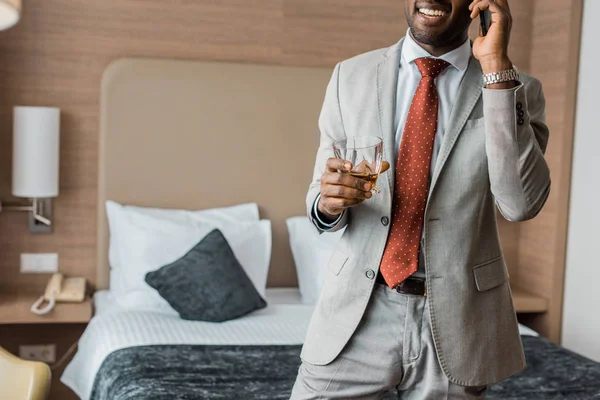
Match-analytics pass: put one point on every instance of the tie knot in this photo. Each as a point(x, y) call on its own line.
point(431, 66)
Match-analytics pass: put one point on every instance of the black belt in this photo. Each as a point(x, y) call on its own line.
point(414, 286)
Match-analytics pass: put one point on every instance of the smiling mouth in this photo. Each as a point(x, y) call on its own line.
point(431, 13)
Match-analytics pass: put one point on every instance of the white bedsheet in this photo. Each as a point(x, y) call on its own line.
point(283, 322)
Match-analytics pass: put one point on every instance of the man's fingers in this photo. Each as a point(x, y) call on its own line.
point(478, 7)
point(336, 205)
point(336, 164)
point(344, 192)
point(473, 4)
point(484, 5)
point(346, 180)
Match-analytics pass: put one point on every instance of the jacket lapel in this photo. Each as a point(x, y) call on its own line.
point(387, 88)
point(468, 95)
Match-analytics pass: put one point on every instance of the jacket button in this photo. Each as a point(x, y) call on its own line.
point(385, 221)
point(519, 106)
point(521, 121)
point(521, 113)
point(370, 274)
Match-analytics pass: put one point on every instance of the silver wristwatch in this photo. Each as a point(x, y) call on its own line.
point(502, 76)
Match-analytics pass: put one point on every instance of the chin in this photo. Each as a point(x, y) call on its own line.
point(431, 37)
point(436, 24)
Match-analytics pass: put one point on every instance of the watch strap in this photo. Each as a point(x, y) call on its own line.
point(501, 77)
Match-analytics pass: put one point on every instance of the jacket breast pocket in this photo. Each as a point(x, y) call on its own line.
point(490, 274)
point(337, 262)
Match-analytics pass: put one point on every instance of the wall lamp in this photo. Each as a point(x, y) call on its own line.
point(10, 13)
point(36, 142)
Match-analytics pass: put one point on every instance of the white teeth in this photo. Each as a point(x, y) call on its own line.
point(433, 13)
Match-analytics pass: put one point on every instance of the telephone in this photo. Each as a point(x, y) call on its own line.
point(60, 290)
point(485, 18)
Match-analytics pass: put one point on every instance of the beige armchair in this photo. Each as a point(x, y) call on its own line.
point(21, 379)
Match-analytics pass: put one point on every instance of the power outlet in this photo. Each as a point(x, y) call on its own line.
point(44, 352)
point(39, 263)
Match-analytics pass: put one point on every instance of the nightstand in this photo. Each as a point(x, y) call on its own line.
point(62, 327)
point(14, 309)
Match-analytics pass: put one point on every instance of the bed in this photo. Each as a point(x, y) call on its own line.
point(126, 355)
point(176, 135)
point(257, 354)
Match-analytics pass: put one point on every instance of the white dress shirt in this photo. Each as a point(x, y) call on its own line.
point(447, 83)
point(409, 76)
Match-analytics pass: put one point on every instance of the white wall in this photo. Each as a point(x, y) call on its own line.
point(581, 312)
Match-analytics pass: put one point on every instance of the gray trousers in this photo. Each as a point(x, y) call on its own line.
point(392, 349)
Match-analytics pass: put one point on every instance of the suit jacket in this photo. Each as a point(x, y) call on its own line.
point(492, 156)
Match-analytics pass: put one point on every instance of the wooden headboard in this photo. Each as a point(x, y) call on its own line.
point(196, 135)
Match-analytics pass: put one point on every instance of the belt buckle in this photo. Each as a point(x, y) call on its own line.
point(421, 281)
point(424, 285)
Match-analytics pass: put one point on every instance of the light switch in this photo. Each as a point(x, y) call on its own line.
point(39, 263)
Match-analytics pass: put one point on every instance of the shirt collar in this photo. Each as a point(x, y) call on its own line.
point(458, 58)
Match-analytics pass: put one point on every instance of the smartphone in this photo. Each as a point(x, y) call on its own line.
point(485, 18)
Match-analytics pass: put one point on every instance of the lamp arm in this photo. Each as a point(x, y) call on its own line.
point(38, 211)
point(36, 208)
point(11, 207)
point(42, 219)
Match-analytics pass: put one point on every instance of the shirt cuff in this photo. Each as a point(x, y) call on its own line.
point(324, 226)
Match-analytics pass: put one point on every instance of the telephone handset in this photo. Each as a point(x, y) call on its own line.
point(60, 290)
point(485, 17)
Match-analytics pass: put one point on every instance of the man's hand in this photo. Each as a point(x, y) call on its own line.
point(340, 190)
point(492, 50)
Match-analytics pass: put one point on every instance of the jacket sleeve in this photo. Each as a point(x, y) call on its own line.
point(516, 140)
point(332, 129)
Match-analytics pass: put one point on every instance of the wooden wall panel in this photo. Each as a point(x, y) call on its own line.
point(321, 32)
point(56, 56)
point(554, 60)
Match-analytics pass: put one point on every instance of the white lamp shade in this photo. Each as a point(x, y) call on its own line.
point(36, 141)
point(10, 12)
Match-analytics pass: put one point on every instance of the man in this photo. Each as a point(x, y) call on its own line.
point(435, 320)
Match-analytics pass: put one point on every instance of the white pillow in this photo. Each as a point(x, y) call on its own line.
point(311, 253)
point(143, 240)
point(242, 212)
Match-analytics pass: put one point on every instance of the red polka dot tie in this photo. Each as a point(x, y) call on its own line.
point(401, 255)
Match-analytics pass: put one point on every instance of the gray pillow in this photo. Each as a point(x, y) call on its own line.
point(208, 283)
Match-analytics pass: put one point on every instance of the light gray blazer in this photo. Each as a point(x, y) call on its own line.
point(490, 158)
